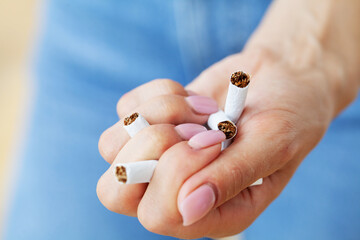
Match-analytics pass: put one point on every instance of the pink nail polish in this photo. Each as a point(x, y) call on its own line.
point(206, 139)
point(197, 204)
point(187, 130)
point(202, 105)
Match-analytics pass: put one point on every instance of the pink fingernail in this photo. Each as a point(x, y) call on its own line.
point(202, 105)
point(206, 139)
point(197, 204)
point(187, 130)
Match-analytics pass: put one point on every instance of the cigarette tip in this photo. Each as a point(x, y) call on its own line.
point(228, 128)
point(130, 119)
point(240, 79)
point(120, 173)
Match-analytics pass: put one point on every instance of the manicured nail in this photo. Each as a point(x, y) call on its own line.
point(206, 139)
point(202, 105)
point(188, 130)
point(197, 204)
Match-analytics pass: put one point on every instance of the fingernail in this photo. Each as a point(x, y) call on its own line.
point(187, 130)
point(202, 105)
point(206, 139)
point(197, 204)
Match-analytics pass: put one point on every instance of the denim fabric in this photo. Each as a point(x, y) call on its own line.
point(89, 54)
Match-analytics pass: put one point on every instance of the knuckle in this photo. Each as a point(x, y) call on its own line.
point(153, 222)
point(172, 110)
point(237, 180)
point(119, 200)
point(168, 86)
point(164, 135)
point(157, 219)
point(286, 141)
point(103, 197)
point(122, 103)
point(102, 145)
point(283, 131)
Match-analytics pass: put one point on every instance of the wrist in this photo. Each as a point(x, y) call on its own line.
point(310, 36)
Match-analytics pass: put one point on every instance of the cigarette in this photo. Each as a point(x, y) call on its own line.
point(237, 92)
point(219, 121)
point(135, 172)
point(257, 182)
point(225, 144)
point(134, 123)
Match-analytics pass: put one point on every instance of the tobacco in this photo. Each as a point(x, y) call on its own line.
point(120, 173)
point(240, 79)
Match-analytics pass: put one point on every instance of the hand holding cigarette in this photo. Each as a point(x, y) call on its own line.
point(193, 183)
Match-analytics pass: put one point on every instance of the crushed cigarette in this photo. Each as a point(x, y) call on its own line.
point(134, 123)
point(228, 128)
point(240, 79)
point(130, 119)
point(219, 121)
point(120, 173)
point(257, 182)
point(135, 172)
point(237, 92)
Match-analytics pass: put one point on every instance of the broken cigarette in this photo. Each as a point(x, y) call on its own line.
point(135, 172)
point(257, 182)
point(215, 123)
point(134, 123)
point(237, 92)
point(219, 121)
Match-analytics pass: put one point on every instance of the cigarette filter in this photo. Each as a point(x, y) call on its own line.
point(135, 172)
point(134, 123)
point(219, 121)
point(237, 92)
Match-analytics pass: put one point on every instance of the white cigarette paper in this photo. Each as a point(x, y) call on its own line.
point(225, 144)
point(257, 182)
point(134, 123)
point(237, 92)
point(219, 121)
point(135, 172)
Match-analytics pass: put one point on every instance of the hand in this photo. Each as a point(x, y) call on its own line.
point(161, 102)
point(285, 116)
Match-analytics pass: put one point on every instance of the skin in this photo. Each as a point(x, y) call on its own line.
point(303, 74)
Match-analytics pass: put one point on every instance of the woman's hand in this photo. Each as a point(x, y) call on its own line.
point(285, 116)
point(303, 73)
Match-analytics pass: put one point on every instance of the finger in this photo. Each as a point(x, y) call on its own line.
point(158, 210)
point(255, 153)
point(176, 109)
point(149, 144)
point(238, 213)
point(112, 140)
point(171, 109)
point(158, 207)
point(147, 91)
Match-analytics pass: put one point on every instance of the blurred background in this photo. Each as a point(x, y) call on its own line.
point(17, 28)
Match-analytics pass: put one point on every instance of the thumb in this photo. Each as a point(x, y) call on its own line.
point(263, 145)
